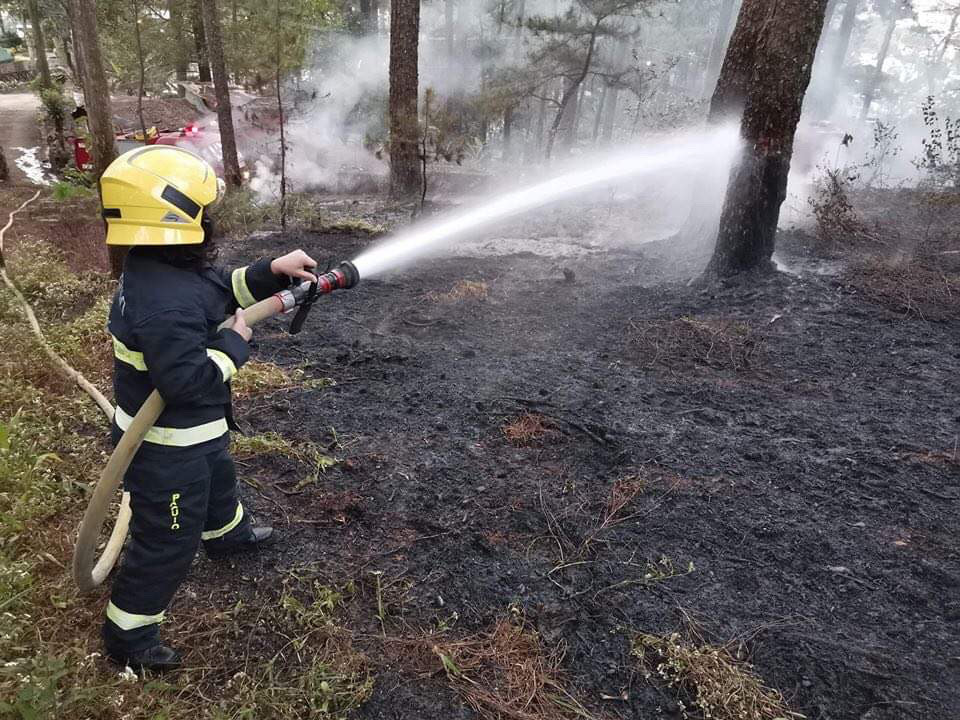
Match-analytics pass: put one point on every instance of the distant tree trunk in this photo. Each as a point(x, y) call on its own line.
point(96, 95)
point(3, 31)
point(598, 117)
point(571, 114)
point(405, 178)
point(448, 31)
point(143, 69)
point(200, 42)
point(840, 52)
point(873, 84)
point(764, 78)
point(80, 77)
point(221, 86)
point(181, 57)
point(507, 130)
point(613, 95)
point(719, 46)
point(4, 171)
point(36, 21)
point(936, 69)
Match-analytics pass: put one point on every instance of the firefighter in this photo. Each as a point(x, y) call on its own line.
point(164, 321)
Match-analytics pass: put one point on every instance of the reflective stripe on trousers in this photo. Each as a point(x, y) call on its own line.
point(131, 621)
point(176, 437)
point(214, 534)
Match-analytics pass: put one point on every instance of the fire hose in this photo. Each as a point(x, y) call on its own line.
point(88, 572)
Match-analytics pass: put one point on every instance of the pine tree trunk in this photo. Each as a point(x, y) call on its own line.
point(96, 95)
point(764, 78)
point(200, 42)
point(719, 46)
point(4, 171)
point(81, 75)
point(874, 83)
point(221, 86)
point(36, 21)
point(181, 57)
point(405, 178)
point(598, 117)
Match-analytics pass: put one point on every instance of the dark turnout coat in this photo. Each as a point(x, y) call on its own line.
point(164, 322)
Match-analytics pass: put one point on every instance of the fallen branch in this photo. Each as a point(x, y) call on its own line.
point(62, 365)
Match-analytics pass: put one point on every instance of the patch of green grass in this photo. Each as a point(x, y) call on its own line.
point(242, 212)
point(63, 190)
point(53, 444)
point(258, 377)
point(245, 447)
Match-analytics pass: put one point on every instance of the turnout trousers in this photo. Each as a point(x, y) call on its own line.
point(178, 501)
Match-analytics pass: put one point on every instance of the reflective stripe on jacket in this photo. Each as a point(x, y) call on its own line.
point(164, 322)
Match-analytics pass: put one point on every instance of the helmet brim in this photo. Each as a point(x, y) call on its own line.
point(119, 233)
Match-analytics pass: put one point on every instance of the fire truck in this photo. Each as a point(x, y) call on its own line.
point(203, 139)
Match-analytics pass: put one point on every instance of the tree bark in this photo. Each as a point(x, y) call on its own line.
point(221, 86)
point(719, 46)
point(181, 58)
point(764, 79)
point(405, 178)
point(874, 82)
point(96, 95)
point(143, 69)
point(200, 42)
point(36, 21)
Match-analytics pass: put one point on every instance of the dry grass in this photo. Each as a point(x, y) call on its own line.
point(715, 342)
point(508, 674)
point(625, 490)
point(711, 678)
point(462, 290)
point(527, 430)
point(906, 286)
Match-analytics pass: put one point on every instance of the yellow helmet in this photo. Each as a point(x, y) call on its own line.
point(156, 195)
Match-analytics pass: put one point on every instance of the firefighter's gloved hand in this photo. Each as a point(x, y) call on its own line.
point(296, 264)
point(239, 326)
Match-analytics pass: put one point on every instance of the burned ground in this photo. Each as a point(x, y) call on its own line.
point(496, 476)
point(774, 458)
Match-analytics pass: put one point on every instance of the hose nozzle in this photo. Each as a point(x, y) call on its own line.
point(342, 277)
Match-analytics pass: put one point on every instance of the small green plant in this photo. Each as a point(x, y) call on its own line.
point(940, 159)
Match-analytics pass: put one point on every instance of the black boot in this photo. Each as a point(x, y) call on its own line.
point(258, 537)
point(157, 658)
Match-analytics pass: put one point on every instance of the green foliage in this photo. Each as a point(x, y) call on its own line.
point(940, 159)
point(11, 40)
point(54, 104)
point(254, 31)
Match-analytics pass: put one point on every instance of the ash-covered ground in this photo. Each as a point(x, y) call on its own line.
point(786, 444)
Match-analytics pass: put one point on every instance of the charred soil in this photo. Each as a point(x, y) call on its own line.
point(604, 455)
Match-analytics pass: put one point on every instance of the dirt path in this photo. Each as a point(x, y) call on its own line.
point(18, 129)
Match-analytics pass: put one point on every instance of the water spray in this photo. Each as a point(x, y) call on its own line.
point(718, 145)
